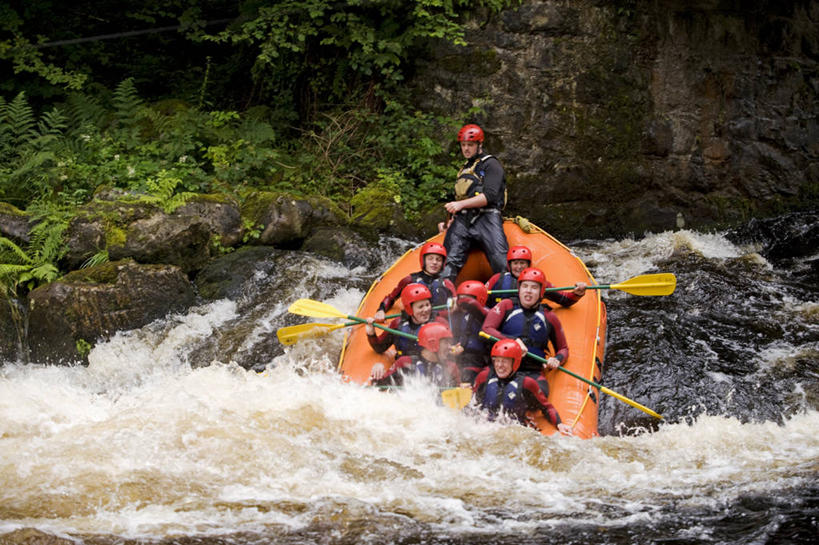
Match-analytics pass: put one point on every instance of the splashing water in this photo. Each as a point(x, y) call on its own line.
point(153, 443)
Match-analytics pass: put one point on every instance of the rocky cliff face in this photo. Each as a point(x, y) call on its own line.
point(624, 116)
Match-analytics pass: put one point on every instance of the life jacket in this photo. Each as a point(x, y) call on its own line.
point(530, 326)
point(440, 293)
point(504, 395)
point(470, 182)
point(431, 370)
point(465, 328)
point(405, 346)
point(507, 281)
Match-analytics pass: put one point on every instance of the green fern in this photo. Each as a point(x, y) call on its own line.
point(11, 252)
point(162, 191)
point(84, 112)
point(20, 120)
point(52, 123)
point(97, 259)
point(127, 103)
point(49, 223)
point(37, 263)
point(5, 130)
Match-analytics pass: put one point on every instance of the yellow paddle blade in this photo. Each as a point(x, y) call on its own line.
point(648, 284)
point(456, 398)
point(295, 333)
point(315, 309)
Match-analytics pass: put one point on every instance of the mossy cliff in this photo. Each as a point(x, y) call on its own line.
point(625, 116)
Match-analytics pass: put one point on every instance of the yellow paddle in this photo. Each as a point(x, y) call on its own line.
point(602, 388)
point(457, 398)
point(294, 333)
point(316, 309)
point(645, 284)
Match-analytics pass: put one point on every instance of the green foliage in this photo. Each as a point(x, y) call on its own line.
point(83, 347)
point(26, 58)
point(35, 265)
point(309, 52)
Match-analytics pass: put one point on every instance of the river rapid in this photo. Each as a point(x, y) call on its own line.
point(163, 439)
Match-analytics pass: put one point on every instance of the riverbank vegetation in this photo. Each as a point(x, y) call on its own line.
point(167, 99)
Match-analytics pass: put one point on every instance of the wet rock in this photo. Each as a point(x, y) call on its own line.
point(14, 224)
point(9, 333)
point(285, 221)
point(183, 241)
point(67, 317)
point(139, 229)
point(706, 101)
point(658, 138)
point(377, 209)
point(227, 276)
point(342, 245)
point(219, 214)
point(101, 226)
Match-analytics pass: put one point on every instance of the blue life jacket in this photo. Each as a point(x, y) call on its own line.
point(530, 326)
point(465, 328)
point(506, 395)
point(405, 346)
point(433, 371)
point(440, 293)
point(507, 281)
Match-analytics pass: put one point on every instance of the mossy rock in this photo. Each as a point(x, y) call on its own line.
point(227, 275)
point(105, 273)
point(14, 223)
point(9, 334)
point(285, 220)
point(341, 244)
point(376, 208)
point(11, 210)
point(66, 317)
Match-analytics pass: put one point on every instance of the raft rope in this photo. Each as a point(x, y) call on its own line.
point(527, 227)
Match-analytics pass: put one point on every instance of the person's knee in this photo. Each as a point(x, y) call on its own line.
point(498, 262)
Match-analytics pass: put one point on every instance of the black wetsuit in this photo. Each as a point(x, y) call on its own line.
point(479, 227)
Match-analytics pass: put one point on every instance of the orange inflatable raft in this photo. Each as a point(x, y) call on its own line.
point(584, 324)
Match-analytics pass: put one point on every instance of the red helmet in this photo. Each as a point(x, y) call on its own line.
point(470, 133)
point(519, 252)
point(509, 348)
point(430, 335)
point(533, 274)
point(432, 248)
point(412, 293)
point(474, 288)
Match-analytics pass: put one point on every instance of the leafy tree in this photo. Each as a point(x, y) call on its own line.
point(313, 52)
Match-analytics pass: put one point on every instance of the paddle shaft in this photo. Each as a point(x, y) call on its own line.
point(390, 316)
point(587, 381)
point(596, 287)
point(356, 319)
point(645, 284)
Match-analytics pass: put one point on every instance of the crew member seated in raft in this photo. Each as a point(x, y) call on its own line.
point(467, 318)
point(416, 299)
point(532, 324)
point(517, 259)
point(501, 388)
point(435, 361)
point(433, 259)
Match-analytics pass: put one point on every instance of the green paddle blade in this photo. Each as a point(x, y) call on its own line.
point(648, 284)
point(315, 309)
point(295, 333)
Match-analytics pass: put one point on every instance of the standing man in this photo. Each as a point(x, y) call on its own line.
point(475, 214)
